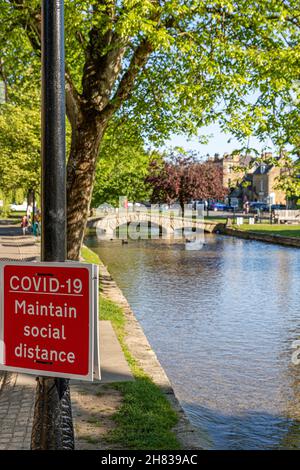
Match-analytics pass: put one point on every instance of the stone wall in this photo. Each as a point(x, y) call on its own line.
point(263, 237)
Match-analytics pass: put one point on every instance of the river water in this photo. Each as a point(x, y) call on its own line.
point(221, 321)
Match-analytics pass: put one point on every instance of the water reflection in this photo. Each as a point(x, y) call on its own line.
point(222, 321)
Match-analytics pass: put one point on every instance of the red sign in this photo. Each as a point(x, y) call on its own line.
point(48, 319)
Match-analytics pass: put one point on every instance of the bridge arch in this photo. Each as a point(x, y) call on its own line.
point(166, 222)
point(111, 222)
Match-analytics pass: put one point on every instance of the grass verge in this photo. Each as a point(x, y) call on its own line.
point(271, 229)
point(146, 418)
point(217, 220)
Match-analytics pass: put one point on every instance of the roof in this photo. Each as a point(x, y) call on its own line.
point(263, 169)
point(246, 159)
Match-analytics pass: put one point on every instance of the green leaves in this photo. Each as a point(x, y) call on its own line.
point(289, 180)
point(19, 148)
point(122, 167)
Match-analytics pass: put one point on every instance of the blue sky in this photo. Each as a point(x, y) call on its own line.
point(218, 143)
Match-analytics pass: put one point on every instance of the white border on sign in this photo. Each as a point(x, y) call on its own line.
point(38, 372)
point(97, 370)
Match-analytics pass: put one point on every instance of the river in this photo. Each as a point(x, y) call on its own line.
point(222, 321)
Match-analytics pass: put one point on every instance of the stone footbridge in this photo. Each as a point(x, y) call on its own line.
point(167, 223)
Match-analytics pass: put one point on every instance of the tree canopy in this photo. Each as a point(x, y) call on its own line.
point(173, 65)
point(19, 148)
point(268, 103)
point(122, 167)
point(168, 67)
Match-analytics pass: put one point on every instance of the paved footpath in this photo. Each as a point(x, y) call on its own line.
point(16, 411)
point(17, 391)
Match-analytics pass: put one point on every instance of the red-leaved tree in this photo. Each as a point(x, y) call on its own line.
point(181, 178)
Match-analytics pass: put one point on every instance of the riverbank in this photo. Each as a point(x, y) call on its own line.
point(277, 234)
point(146, 414)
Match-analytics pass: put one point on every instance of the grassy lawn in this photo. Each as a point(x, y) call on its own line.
point(218, 220)
point(146, 418)
point(16, 214)
point(283, 230)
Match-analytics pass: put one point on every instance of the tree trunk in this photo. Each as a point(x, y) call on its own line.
point(80, 179)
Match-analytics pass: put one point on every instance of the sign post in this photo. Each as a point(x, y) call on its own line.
point(53, 425)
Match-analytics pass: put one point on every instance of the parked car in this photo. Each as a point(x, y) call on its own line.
point(218, 206)
point(258, 207)
point(275, 207)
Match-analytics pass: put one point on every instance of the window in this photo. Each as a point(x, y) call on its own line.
point(262, 169)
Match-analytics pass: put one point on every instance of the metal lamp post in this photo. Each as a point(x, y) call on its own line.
point(53, 426)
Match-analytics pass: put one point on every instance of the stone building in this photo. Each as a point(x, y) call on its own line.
point(248, 180)
point(234, 168)
point(265, 180)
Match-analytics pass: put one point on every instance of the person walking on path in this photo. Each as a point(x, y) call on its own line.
point(24, 224)
point(36, 227)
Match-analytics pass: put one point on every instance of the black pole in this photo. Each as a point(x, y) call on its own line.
point(53, 426)
point(53, 132)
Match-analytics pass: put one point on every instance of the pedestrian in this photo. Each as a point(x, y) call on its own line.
point(24, 224)
point(36, 226)
point(246, 207)
point(29, 211)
